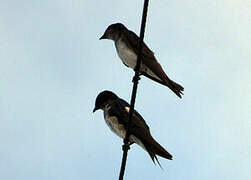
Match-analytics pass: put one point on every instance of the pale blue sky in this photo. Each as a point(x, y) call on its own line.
point(52, 66)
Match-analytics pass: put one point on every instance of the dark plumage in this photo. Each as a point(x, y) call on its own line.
point(116, 113)
point(126, 43)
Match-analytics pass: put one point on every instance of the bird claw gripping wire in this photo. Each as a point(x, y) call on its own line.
point(135, 79)
point(126, 147)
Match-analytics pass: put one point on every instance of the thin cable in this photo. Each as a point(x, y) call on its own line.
point(136, 78)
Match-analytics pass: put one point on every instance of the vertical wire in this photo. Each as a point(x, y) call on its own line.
point(136, 79)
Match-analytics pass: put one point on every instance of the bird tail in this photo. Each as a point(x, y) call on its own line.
point(154, 148)
point(175, 87)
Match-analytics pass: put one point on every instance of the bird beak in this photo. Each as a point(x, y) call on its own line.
point(103, 37)
point(95, 109)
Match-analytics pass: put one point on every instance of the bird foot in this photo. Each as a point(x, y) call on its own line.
point(135, 79)
point(125, 147)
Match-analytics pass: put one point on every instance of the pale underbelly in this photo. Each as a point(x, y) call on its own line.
point(119, 130)
point(129, 58)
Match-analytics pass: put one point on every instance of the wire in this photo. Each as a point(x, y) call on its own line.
point(136, 79)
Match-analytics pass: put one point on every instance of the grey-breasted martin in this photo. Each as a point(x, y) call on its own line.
point(126, 43)
point(116, 114)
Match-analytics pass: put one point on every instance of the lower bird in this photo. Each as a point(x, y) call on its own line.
point(126, 43)
point(116, 114)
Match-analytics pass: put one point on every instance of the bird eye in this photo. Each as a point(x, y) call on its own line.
point(111, 31)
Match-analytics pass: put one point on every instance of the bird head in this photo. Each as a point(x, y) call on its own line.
point(103, 99)
point(113, 31)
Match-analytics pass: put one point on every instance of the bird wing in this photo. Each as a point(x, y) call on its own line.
point(138, 128)
point(148, 57)
point(120, 109)
point(134, 43)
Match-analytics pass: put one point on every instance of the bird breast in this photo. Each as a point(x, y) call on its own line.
point(119, 129)
point(129, 58)
point(126, 55)
point(113, 124)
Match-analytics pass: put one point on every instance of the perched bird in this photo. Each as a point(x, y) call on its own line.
point(116, 114)
point(126, 43)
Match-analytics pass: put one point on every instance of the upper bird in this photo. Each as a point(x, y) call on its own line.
point(116, 114)
point(126, 43)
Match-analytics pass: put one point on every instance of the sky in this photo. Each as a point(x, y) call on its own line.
point(53, 65)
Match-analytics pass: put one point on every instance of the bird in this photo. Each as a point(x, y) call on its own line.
point(126, 43)
point(116, 115)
